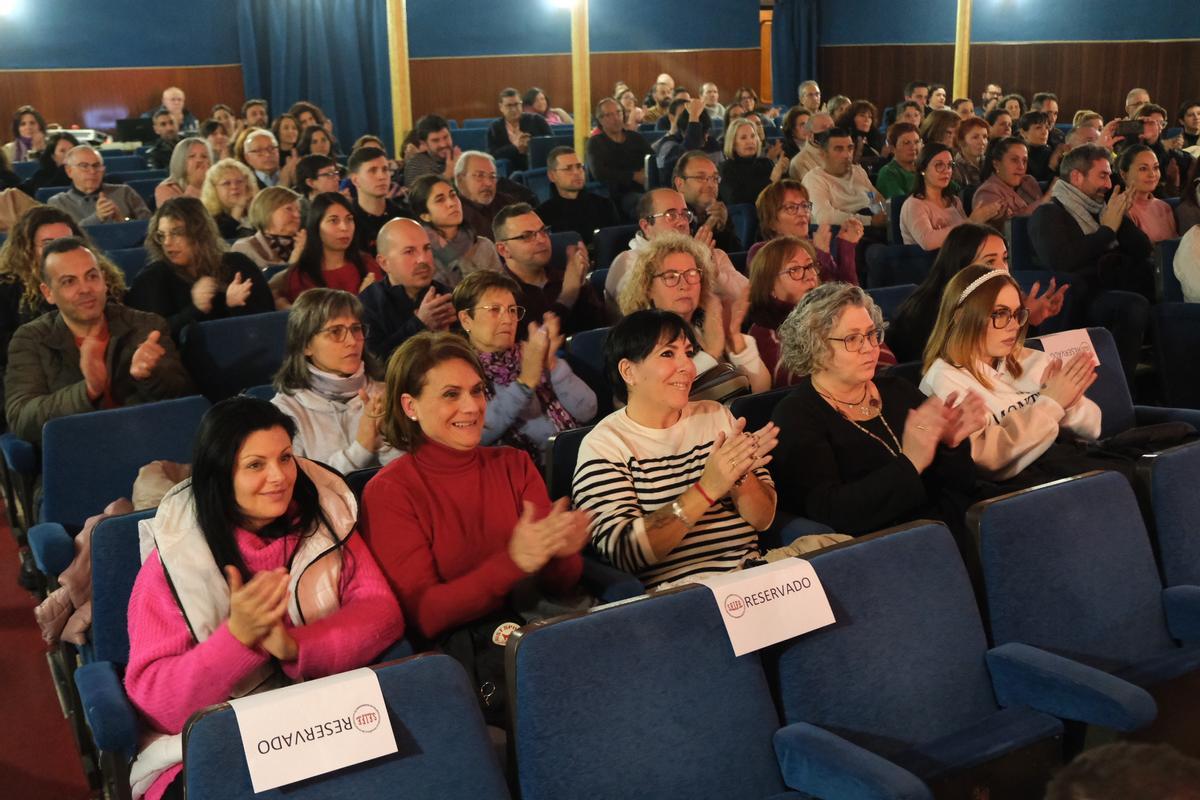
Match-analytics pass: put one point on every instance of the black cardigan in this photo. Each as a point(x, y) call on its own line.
point(743, 178)
point(499, 145)
point(161, 289)
point(829, 471)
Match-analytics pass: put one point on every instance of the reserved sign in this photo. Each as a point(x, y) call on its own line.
point(314, 727)
point(1068, 344)
point(765, 605)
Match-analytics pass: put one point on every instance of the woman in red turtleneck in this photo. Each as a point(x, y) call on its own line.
point(453, 525)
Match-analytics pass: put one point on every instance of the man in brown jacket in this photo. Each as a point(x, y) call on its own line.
point(88, 355)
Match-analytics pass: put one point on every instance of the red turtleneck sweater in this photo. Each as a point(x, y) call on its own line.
point(439, 521)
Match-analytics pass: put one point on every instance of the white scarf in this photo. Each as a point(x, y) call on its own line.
point(336, 387)
point(1082, 208)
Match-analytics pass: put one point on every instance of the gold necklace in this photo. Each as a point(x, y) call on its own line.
point(866, 410)
point(866, 405)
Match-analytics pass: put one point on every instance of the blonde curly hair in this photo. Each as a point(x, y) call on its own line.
point(635, 290)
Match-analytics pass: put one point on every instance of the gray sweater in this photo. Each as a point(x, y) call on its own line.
point(82, 207)
point(515, 405)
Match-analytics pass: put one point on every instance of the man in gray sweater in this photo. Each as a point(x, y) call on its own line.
point(91, 201)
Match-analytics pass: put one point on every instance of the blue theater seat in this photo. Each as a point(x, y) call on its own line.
point(118, 235)
point(898, 264)
point(225, 356)
point(611, 242)
point(1171, 478)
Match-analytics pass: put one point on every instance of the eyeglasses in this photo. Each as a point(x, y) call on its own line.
point(855, 341)
point(260, 151)
point(795, 209)
point(529, 236)
point(329, 173)
point(941, 166)
point(88, 166)
point(570, 168)
point(483, 176)
point(494, 311)
point(338, 333)
point(670, 278)
point(162, 236)
point(714, 179)
point(799, 273)
point(672, 215)
point(510, 105)
point(1002, 316)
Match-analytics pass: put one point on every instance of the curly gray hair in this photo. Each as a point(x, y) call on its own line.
point(804, 335)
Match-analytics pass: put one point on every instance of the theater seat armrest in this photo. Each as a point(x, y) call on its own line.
point(608, 583)
point(107, 709)
point(823, 764)
point(53, 548)
point(1182, 605)
point(1148, 415)
point(19, 455)
point(1028, 676)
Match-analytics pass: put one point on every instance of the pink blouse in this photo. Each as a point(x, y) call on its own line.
point(1155, 218)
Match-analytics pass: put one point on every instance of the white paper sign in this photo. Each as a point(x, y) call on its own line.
point(314, 727)
point(1067, 344)
point(765, 605)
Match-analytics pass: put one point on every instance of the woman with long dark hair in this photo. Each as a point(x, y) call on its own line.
point(252, 578)
point(934, 209)
point(331, 256)
point(1006, 180)
point(51, 163)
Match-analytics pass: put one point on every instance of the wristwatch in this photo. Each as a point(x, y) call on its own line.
point(680, 514)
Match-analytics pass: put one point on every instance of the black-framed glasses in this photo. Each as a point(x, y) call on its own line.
point(338, 333)
point(855, 341)
point(672, 215)
point(1002, 316)
point(671, 277)
point(795, 209)
point(332, 172)
point(529, 236)
point(495, 310)
point(799, 273)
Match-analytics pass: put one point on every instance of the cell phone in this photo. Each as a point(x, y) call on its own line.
point(1171, 133)
point(1131, 129)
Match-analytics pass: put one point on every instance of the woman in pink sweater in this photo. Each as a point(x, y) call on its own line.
point(932, 210)
point(1140, 172)
point(252, 578)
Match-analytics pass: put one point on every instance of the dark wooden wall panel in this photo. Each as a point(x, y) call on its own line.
point(1093, 75)
point(75, 97)
point(467, 87)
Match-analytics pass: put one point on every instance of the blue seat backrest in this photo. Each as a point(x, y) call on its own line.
point(470, 138)
point(1068, 567)
point(904, 661)
point(559, 242)
point(757, 408)
point(744, 217)
point(1176, 508)
point(1110, 391)
point(585, 354)
point(596, 278)
point(25, 169)
point(560, 463)
point(116, 560)
point(145, 188)
point(889, 298)
point(476, 122)
point(131, 260)
point(653, 136)
point(118, 235)
point(611, 242)
point(89, 460)
point(1170, 290)
point(1021, 255)
point(444, 749)
point(540, 147)
point(123, 164)
point(226, 356)
point(641, 699)
point(44, 194)
point(896, 264)
point(137, 175)
point(562, 128)
point(358, 479)
point(537, 182)
point(1176, 343)
point(263, 392)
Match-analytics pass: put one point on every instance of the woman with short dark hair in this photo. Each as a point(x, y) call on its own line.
point(1006, 180)
point(534, 101)
point(52, 163)
point(252, 579)
point(29, 135)
point(859, 118)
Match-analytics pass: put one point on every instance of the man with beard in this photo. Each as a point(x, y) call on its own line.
point(476, 180)
point(697, 180)
point(572, 207)
point(437, 154)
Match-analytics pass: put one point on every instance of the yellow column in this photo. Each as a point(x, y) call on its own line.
point(581, 75)
point(962, 51)
point(397, 31)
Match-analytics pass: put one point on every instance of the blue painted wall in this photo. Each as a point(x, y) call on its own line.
point(932, 21)
point(49, 34)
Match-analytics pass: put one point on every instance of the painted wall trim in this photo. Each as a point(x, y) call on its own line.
point(597, 53)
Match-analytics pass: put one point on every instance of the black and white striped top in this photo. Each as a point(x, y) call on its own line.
point(625, 471)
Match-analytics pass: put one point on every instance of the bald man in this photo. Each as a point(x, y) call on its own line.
point(174, 102)
point(408, 300)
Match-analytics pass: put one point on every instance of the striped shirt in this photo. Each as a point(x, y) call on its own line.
point(625, 471)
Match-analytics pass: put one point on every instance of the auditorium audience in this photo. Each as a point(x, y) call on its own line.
point(214, 134)
point(407, 300)
point(937, 97)
point(229, 188)
point(477, 183)
point(811, 155)
point(1134, 101)
point(332, 255)
point(1006, 181)
point(1047, 103)
point(508, 136)
point(963, 107)
point(910, 111)
point(1139, 170)
point(534, 101)
point(784, 210)
point(328, 386)
point(745, 171)
point(91, 201)
point(87, 354)
point(632, 111)
point(676, 489)
point(52, 163)
point(690, 127)
point(898, 177)
point(860, 452)
point(191, 276)
point(532, 393)
point(253, 616)
point(615, 156)
point(940, 127)
point(711, 96)
point(1189, 119)
point(977, 348)
point(457, 250)
point(437, 153)
point(255, 113)
point(29, 135)
point(278, 239)
point(315, 175)
point(1014, 104)
point(523, 240)
point(175, 102)
point(166, 132)
point(1173, 162)
point(697, 179)
point(371, 176)
point(991, 98)
point(971, 144)
point(841, 189)
point(315, 140)
point(259, 150)
point(185, 177)
point(675, 272)
point(572, 207)
point(454, 556)
point(809, 95)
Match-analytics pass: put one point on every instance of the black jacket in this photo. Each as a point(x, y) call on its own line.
point(391, 316)
point(499, 145)
point(162, 289)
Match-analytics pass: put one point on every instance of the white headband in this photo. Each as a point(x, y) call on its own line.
point(975, 284)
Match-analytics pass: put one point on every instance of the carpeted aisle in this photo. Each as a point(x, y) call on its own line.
point(37, 755)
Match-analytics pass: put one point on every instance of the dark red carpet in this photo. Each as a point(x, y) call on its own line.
point(37, 756)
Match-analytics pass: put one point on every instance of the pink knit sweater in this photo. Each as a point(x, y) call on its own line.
point(170, 677)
